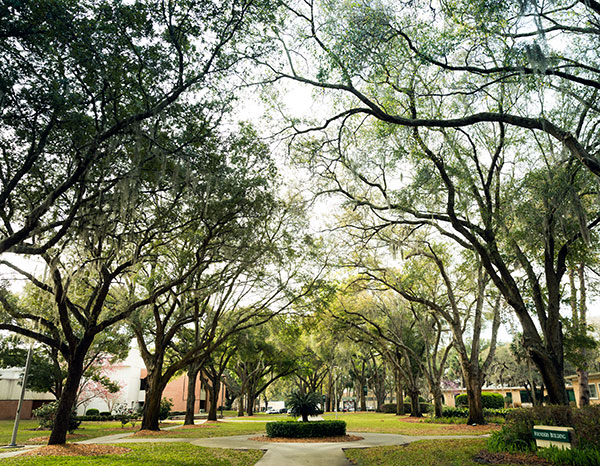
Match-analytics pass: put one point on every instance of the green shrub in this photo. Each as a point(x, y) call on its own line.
point(586, 422)
point(295, 429)
point(488, 400)
point(47, 413)
point(492, 400)
point(426, 408)
point(165, 408)
point(105, 413)
point(461, 400)
point(97, 418)
point(517, 433)
point(92, 412)
point(449, 411)
point(123, 413)
point(503, 412)
point(573, 457)
point(389, 408)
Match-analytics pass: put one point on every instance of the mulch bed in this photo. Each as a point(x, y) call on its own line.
point(74, 449)
point(149, 433)
point(45, 438)
point(338, 438)
point(485, 457)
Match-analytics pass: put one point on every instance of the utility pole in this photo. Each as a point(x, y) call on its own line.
point(13, 442)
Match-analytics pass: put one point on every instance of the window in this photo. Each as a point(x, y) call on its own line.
point(144, 383)
point(525, 396)
point(593, 391)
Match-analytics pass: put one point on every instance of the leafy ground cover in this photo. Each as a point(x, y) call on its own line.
point(209, 429)
point(174, 454)
point(461, 452)
point(405, 425)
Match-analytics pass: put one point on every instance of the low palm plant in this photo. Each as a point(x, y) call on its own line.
point(303, 404)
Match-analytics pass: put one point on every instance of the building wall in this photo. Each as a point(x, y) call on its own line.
point(129, 373)
point(594, 382)
point(177, 391)
point(10, 392)
point(8, 408)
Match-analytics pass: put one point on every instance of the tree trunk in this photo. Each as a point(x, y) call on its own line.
point(474, 399)
point(415, 406)
point(250, 405)
point(241, 405)
point(399, 394)
point(438, 401)
point(363, 398)
point(58, 436)
point(151, 418)
point(190, 406)
point(214, 400)
point(330, 388)
point(584, 388)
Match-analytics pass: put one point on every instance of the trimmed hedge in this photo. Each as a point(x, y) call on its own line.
point(295, 429)
point(389, 408)
point(449, 411)
point(488, 400)
point(92, 412)
point(95, 418)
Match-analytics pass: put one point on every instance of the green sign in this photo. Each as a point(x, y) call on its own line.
point(552, 435)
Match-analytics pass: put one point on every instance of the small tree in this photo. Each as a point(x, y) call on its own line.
point(122, 412)
point(303, 404)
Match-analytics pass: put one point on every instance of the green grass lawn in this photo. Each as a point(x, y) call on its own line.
point(25, 432)
point(172, 454)
point(213, 429)
point(87, 430)
point(255, 416)
point(392, 424)
point(422, 453)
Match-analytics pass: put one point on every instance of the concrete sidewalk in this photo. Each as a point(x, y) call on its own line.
point(317, 454)
point(276, 453)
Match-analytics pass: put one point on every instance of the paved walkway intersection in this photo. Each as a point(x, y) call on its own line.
point(276, 453)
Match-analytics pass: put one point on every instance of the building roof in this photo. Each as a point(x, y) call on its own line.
point(591, 375)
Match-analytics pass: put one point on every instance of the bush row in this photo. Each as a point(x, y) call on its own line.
point(98, 417)
point(390, 408)
point(449, 411)
point(295, 429)
point(489, 400)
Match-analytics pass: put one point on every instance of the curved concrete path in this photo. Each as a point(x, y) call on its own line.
point(317, 454)
point(280, 453)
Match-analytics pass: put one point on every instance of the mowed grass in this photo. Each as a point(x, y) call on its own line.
point(6, 428)
point(209, 430)
point(405, 425)
point(422, 453)
point(172, 454)
point(87, 430)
